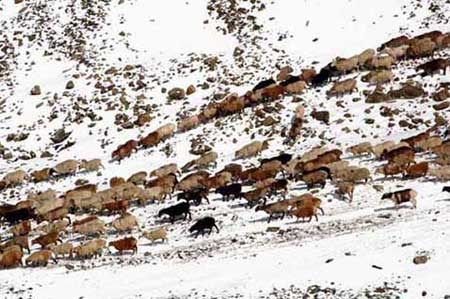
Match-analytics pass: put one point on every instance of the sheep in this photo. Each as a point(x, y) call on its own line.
point(395, 42)
point(307, 75)
point(417, 170)
point(400, 156)
point(365, 56)
point(344, 65)
point(90, 249)
point(116, 181)
point(253, 197)
point(306, 200)
point(56, 214)
point(86, 187)
point(234, 169)
point(138, 178)
point(260, 174)
point(44, 240)
point(191, 182)
point(91, 165)
point(203, 224)
point(8, 248)
point(230, 190)
point(165, 170)
point(124, 150)
point(126, 191)
point(434, 66)
point(168, 182)
point(399, 197)
point(73, 197)
point(21, 229)
point(129, 243)
point(195, 195)
point(165, 131)
point(85, 220)
point(16, 215)
point(355, 174)
point(275, 208)
point(14, 178)
point(378, 77)
point(264, 183)
point(442, 150)
point(291, 88)
point(41, 175)
point(150, 140)
point(219, 180)
point(21, 241)
point(362, 148)
point(157, 234)
point(188, 123)
point(66, 167)
point(11, 259)
point(378, 149)
point(342, 87)
point(121, 206)
point(396, 52)
point(62, 249)
point(93, 202)
point(59, 225)
point(428, 144)
point(337, 166)
point(156, 193)
point(94, 226)
point(282, 158)
point(206, 159)
point(317, 177)
point(381, 62)
point(125, 222)
point(251, 149)
point(346, 188)
point(304, 212)
point(40, 258)
point(49, 205)
point(231, 105)
point(390, 169)
point(176, 210)
point(442, 173)
point(421, 47)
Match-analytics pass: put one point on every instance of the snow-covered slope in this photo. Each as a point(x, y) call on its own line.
point(361, 249)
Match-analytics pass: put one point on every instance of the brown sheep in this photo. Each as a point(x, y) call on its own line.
point(434, 66)
point(138, 178)
point(124, 150)
point(428, 144)
point(317, 177)
point(378, 149)
point(125, 222)
point(381, 62)
point(362, 148)
point(365, 56)
point(166, 131)
point(129, 243)
point(21, 229)
point(275, 208)
point(421, 48)
point(90, 249)
point(40, 258)
point(21, 241)
point(165, 170)
point(11, 259)
point(167, 182)
point(45, 240)
point(41, 175)
point(157, 234)
point(66, 167)
point(304, 212)
point(234, 169)
point(59, 225)
point(151, 140)
point(15, 178)
point(307, 75)
point(417, 170)
point(91, 165)
point(400, 156)
point(378, 77)
point(56, 214)
point(395, 42)
point(62, 249)
point(399, 197)
point(93, 226)
point(116, 206)
point(342, 87)
point(396, 52)
point(188, 123)
point(252, 149)
point(390, 169)
point(87, 187)
point(292, 88)
point(116, 181)
point(253, 197)
point(442, 173)
point(344, 65)
point(219, 180)
point(346, 188)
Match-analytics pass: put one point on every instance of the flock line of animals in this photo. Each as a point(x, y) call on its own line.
point(47, 217)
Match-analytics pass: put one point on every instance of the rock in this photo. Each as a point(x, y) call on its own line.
point(81, 182)
point(70, 85)
point(176, 93)
point(190, 90)
point(269, 121)
point(441, 95)
point(321, 116)
point(420, 259)
point(143, 119)
point(36, 90)
point(441, 106)
point(46, 154)
point(60, 135)
point(272, 229)
point(378, 188)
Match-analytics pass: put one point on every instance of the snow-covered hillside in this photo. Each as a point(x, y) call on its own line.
point(79, 78)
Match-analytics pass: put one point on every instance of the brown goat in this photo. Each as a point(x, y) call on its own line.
point(129, 243)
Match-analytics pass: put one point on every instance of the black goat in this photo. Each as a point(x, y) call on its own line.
point(230, 190)
point(194, 195)
point(203, 224)
point(176, 210)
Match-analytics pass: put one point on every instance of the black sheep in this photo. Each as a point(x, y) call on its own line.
point(290, 80)
point(264, 84)
point(195, 195)
point(203, 224)
point(283, 158)
point(15, 216)
point(324, 76)
point(230, 190)
point(176, 210)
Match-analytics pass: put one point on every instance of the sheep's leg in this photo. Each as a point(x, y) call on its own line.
point(310, 218)
point(321, 210)
point(317, 218)
point(270, 218)
point(217, 228)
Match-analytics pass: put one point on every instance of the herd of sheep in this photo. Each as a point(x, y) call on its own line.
point(48, 217)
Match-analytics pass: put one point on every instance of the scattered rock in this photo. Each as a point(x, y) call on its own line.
point(36, 90)
point(176, 93)
point(190, 90)
point(420, 259)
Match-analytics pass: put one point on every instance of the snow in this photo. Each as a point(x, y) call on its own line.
point(243, 258)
